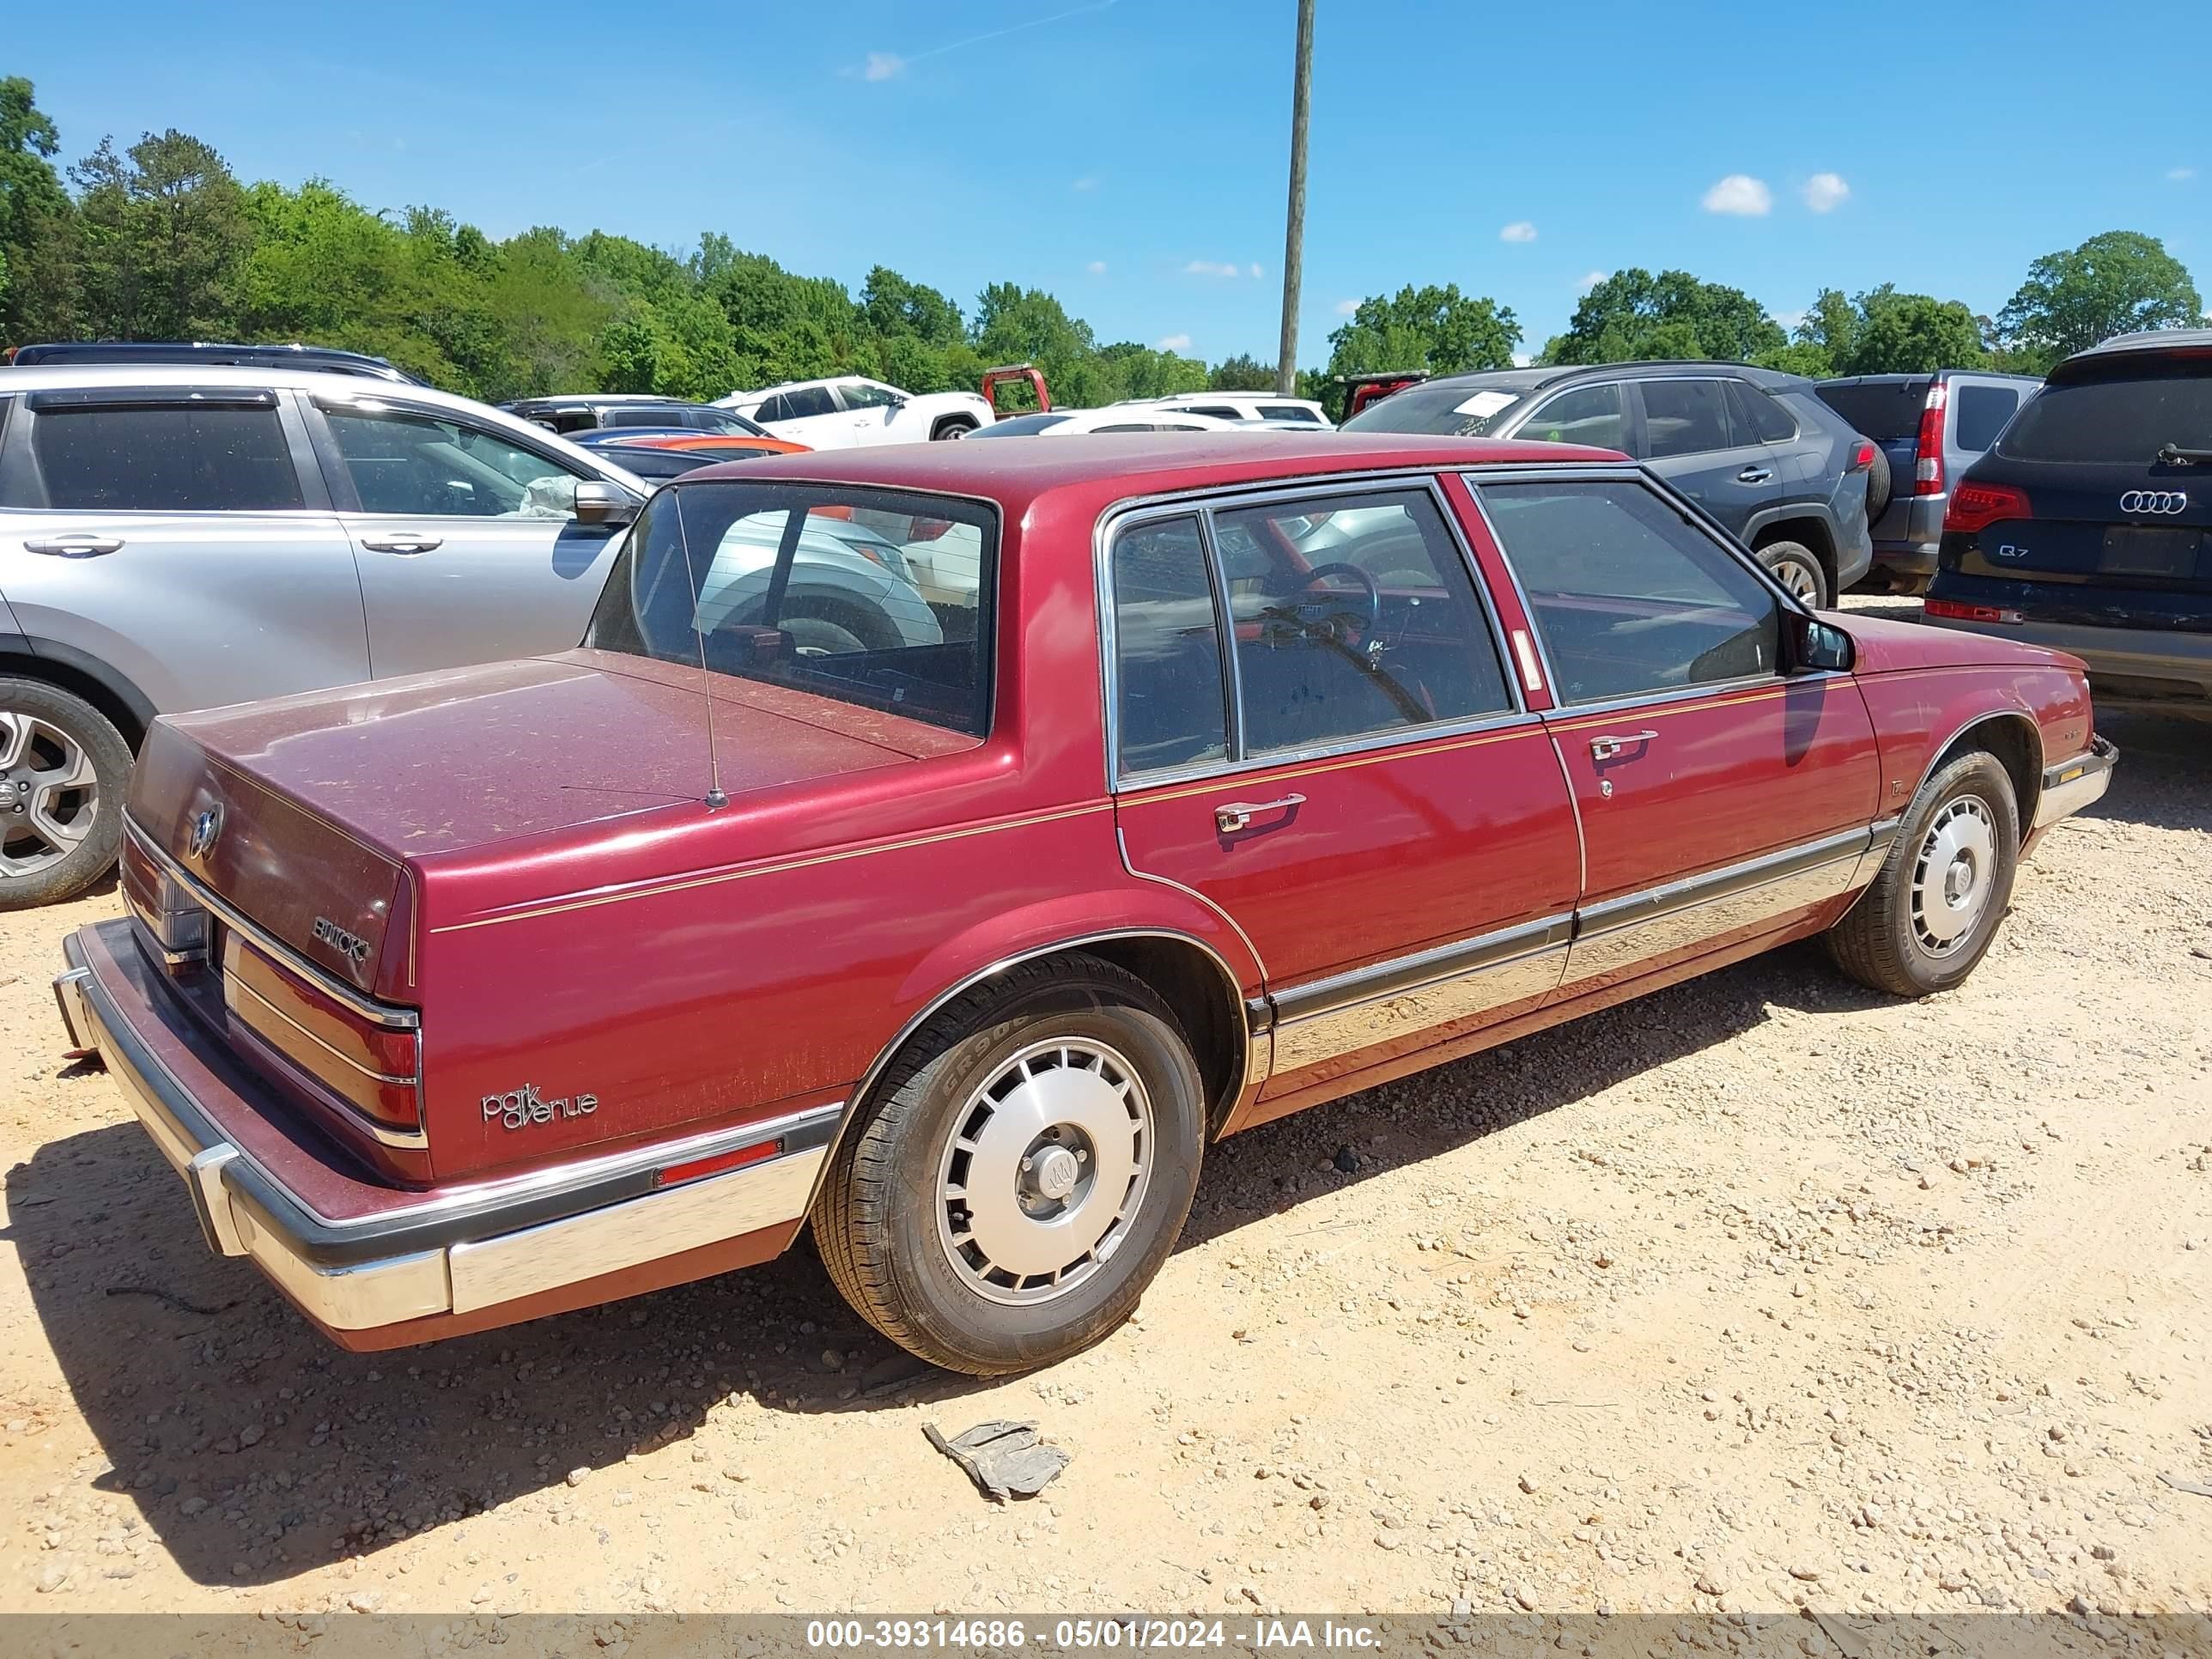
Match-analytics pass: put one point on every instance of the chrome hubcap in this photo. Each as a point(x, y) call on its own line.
point(1049, 1160)
point(1953, 874)
point(49, 793)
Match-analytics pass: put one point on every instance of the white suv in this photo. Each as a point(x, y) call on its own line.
point(1243, 406)
point(850, 410)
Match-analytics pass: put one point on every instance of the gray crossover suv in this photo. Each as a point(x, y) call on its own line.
point(173, 537)
point(1756, 449)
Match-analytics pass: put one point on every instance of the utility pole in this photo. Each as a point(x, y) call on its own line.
point(1287, 366)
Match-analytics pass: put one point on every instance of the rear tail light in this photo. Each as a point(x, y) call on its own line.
point(170, 919)
point(1975, 507)
point(1974, 613)
point(1862, 457)
point(371, 1064)
point(1928, 469)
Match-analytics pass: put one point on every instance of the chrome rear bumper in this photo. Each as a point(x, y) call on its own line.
point(459, 1249)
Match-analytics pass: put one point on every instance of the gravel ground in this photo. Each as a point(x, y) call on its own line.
point(1764, 1291)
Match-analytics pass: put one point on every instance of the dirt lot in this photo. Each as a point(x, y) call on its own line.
point(1764, 1290)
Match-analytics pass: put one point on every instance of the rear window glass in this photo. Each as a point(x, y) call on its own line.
point(877, 598)
point(1454, 409)
point(1978, 413)
point(2121, 422)
point(198, 459)
point(1883, 410)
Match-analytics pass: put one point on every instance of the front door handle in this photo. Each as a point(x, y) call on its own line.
point(1238, 814)
point(1607, 747)
point(1754, 475)
point(74, 547)
point(403, 543)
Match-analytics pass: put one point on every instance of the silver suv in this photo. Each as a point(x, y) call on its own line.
point(172, 538)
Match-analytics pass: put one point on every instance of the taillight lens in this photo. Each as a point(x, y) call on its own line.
point(1975, 613)
point(170, 915)
point(1862, 457)
point(1974, 507)
point(373, 1066)
point(1928, 469)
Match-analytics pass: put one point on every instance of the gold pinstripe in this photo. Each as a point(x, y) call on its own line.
point(774, 867)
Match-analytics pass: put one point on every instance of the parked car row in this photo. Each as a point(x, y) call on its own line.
point(1189, 781)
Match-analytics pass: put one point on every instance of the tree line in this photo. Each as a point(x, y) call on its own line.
point(161, 240)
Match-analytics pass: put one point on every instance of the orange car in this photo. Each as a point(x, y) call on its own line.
point(658, 455)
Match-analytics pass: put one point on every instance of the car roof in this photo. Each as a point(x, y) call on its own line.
point(1907, 378)
point(590, 399)
point(820, 380)
point(334, 359)
point(1107, 467)
point(2151, 343)
point(1542, 374)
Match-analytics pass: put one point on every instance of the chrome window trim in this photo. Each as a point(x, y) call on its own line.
point(1205, 501)
point(396, 1019)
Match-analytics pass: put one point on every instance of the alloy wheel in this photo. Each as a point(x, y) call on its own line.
point(49, 793)
point(1803, 580)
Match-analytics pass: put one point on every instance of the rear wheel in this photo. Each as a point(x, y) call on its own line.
point(1022, 1172)
point(63, 769)
point(956, 426)
point(1797, 568)
point(1932, 911)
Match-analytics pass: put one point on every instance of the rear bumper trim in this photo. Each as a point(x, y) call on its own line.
point(2076, 783)
point(477, 1256)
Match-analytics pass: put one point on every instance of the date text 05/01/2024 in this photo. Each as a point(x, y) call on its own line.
point(1086, 1635)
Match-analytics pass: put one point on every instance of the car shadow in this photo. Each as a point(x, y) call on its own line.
point(257, 1451)
point(2164, 779)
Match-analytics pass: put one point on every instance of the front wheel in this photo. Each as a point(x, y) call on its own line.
point(959, 426)
point(1933, 908)
point(1022, 1172)
point(63, 770)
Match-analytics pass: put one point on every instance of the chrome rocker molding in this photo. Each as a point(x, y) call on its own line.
point(2073, 784)
point(464, 1249)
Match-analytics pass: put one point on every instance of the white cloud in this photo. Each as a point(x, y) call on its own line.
point(1209, 268)
point(1345, 307)
point(1084, 182)
point(1792, 320)
point(1590, 280)
point(1742, 194)
point(2180, 175)
point(1825, 192)
point(1522, 359)
point(882, 66)
point(1519, 231)
point(1255, 273)
point(1097, 267)
point(1176, 343)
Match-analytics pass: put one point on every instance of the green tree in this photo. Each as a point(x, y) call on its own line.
point(1436, 329)
point(166, 228)
point(1634, 316)
point(34, 209)
point(1912, 334)
point(2115, 283)
point(1243, 373)
point(894, 307)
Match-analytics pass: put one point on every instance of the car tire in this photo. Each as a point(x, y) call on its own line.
point(990, 1223)
point(64, 768)
point(954, 426)
point(1879, 485)
point(1798, 568)
point(1932, 909)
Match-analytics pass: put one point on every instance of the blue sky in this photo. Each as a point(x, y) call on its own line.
point(1131, 156)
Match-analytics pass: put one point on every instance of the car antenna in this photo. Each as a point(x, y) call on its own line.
point(716, 800)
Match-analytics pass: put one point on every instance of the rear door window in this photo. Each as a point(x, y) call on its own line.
point(1757, 418)
point(1979, 413)
point(2121, 422)
point(202, 457)
point(808, 401)
point(1684, 417)
point(1592, 415)
point(1170, 700)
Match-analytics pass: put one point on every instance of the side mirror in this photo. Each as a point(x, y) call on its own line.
point(603, 503)
point(1815, 645)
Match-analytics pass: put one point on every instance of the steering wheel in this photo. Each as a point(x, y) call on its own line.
point(1371, 622)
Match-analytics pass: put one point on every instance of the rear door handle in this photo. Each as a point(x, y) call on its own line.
point(403, 543)
point(74, 547)
point(1607, 747)
point(1238, 814)
point(1754, 475)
